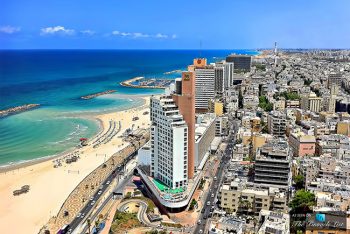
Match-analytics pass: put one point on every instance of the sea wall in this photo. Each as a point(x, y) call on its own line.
point(90, 96)
point(17, 109)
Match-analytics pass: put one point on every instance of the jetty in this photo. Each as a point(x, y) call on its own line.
point(90, 96)
point(171, 72)
point(17, 109)
point(142, 83)
point(128, 83)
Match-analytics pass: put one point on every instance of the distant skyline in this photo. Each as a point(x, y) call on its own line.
point(155, 24)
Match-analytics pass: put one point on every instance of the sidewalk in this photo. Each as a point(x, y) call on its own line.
point(109, 219)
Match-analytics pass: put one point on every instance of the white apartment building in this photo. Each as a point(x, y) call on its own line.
point(205, 86)
point(169, 142)
point(311, 102)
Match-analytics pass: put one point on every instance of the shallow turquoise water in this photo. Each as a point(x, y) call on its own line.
point(56, 79)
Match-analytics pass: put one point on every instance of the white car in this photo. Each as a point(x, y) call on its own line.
point(82, 216)
point(108, 182)
point(91, 198)
point(78, 215)
point(212, 195)
point(92, 203)
point(208, 203)
point(99, 192)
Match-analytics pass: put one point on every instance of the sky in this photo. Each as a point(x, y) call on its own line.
point(180, 24)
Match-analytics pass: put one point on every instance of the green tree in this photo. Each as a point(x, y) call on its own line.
point(307, 82)
point(265, 104)
point(299, 181)
point(193, 204)
point(302, 201)
point(290, 95)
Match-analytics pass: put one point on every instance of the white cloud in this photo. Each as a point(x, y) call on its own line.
point(142, 35)
point(88, 32)
point(159, 35)
point(125, 34)
point(138, 35)
point(57, 30)
point(9, 29)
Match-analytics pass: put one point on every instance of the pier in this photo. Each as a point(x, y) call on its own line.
point(142, 83)
point(90, 96)
point(17, 109)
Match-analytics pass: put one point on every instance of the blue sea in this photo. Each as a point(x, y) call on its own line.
point(56, 79)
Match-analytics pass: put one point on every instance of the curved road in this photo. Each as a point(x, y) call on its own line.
point(141, 214)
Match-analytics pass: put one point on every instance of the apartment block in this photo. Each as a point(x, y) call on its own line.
point(249, 198)
point(273, 164)
point(277, 123)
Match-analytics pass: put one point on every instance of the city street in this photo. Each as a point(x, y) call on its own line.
point(210, 202)
point(85, 212)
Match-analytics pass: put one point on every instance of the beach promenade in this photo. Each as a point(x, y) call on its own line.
point(50, 186)
point(87, 187)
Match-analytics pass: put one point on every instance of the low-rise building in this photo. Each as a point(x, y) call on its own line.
point(216, 106)
point(226, 225)
point(204, 135)
point(311, 102)
point(343, 128)
point(273, 222)
point(302, 144)
point(277, 123)
point(249, 198)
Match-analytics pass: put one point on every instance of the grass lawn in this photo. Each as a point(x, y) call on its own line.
point(124, 221)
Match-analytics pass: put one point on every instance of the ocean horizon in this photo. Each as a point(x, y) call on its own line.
point(56, 79)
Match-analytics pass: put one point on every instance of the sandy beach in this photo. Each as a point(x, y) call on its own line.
point(49, 186)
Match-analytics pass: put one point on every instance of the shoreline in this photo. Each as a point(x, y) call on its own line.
point(51, 184)
point(27, 163)
point(92, 116)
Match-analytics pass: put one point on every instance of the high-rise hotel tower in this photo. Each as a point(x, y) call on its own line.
point(169, 143)
point(173, 134)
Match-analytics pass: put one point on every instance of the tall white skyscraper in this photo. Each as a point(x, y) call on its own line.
point(169, 143)
point(223, 74)
point(205, 86)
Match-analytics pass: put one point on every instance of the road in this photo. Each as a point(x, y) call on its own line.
point(84, 213)
point(141, 213)
point(216, 183)
point(120, 185)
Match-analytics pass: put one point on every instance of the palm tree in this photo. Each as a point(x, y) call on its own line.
point(89, 224)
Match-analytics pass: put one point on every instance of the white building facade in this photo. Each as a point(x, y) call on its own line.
point(205, 86)
point(169, 142)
